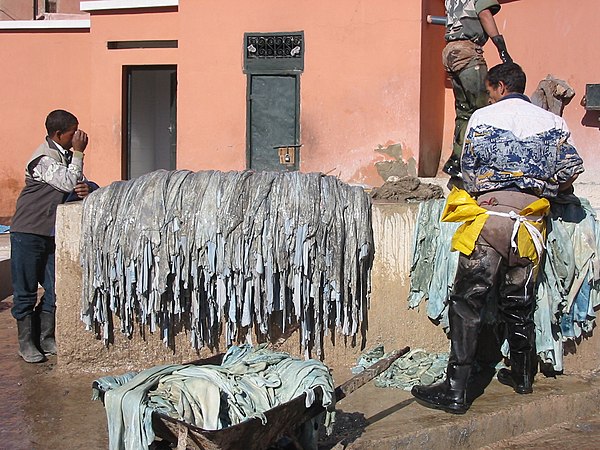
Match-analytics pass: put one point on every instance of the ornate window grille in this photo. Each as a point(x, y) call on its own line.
point(274, 46)
point(274, 52)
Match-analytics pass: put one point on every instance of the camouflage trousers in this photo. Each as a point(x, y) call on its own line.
point(467, 68)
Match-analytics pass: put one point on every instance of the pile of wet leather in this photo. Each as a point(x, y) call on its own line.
point(245, 252)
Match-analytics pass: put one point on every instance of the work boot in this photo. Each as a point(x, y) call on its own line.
point(521, 373)
point(27, 349)
point(452, 166)
point(47, 325)
point(450, 395)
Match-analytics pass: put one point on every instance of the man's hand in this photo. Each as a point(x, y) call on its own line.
point(501, 46)
point(567, 184)
point(80, 141)
point(82, 189)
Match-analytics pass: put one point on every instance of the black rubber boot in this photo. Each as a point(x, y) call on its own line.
point(474, 278)
point(521, 373)
point(47, 326)
point(450, 395)
point(27, 349)
point(523, 359)
point(452, 166)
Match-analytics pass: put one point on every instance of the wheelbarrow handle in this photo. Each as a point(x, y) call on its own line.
point(368, 374)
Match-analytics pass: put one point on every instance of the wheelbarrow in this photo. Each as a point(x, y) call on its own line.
point(283, 420)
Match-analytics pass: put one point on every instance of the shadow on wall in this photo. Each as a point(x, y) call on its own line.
point(591, 119)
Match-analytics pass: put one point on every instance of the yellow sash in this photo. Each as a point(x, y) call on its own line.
point(528, 235)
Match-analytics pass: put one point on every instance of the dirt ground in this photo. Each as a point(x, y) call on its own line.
point(45, 409)
point(41, 408)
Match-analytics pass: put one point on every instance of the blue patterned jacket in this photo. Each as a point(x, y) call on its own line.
point(515, 144)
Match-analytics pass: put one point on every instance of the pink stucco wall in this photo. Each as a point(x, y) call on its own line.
point(358, 90)
point(372, 78)
point(106, 67)
point(559, 38)
point(42, 71)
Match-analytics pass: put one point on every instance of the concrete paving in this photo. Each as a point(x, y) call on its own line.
point(45, 408)
point(562, 412)
point(376, 418)
point(575, 435)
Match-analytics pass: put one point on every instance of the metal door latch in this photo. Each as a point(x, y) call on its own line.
point(287, 154)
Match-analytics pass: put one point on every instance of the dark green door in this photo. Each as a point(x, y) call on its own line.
point(273, 121)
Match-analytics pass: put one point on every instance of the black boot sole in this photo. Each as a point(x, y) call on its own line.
point(508, 381)
point(452, 409)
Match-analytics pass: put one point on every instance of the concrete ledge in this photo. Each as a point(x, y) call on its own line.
point(100, 5)
point(589, 191)
point(390, 321)
point(44, 24)
point(396, 421)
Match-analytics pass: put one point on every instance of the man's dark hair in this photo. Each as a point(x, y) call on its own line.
point(60, 120)
point(510, 74)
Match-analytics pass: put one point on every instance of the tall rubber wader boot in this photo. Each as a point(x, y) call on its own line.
point(474, 278)
point(449, 395)
point(470, 94)
point(523, 359)
point(47, 326)
point(27, 348)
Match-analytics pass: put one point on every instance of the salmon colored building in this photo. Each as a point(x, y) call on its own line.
point(328, 86)
point(37, 9)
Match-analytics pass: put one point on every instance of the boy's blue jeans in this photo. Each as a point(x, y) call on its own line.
point(32, 263)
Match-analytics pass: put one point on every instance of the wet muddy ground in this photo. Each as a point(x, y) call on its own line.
point(45, 409)
point(581, 435)
point(42, 408)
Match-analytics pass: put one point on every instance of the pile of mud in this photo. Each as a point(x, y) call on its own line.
point(406, 189)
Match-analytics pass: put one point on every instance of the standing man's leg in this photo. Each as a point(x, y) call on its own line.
point(475, 277)
point(516, 306)
point(47, 308)
point(472, 95)
point(27, 263)
point(464, 62)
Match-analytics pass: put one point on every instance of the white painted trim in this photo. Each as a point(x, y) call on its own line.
point(98, 5)
point(43, 24)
